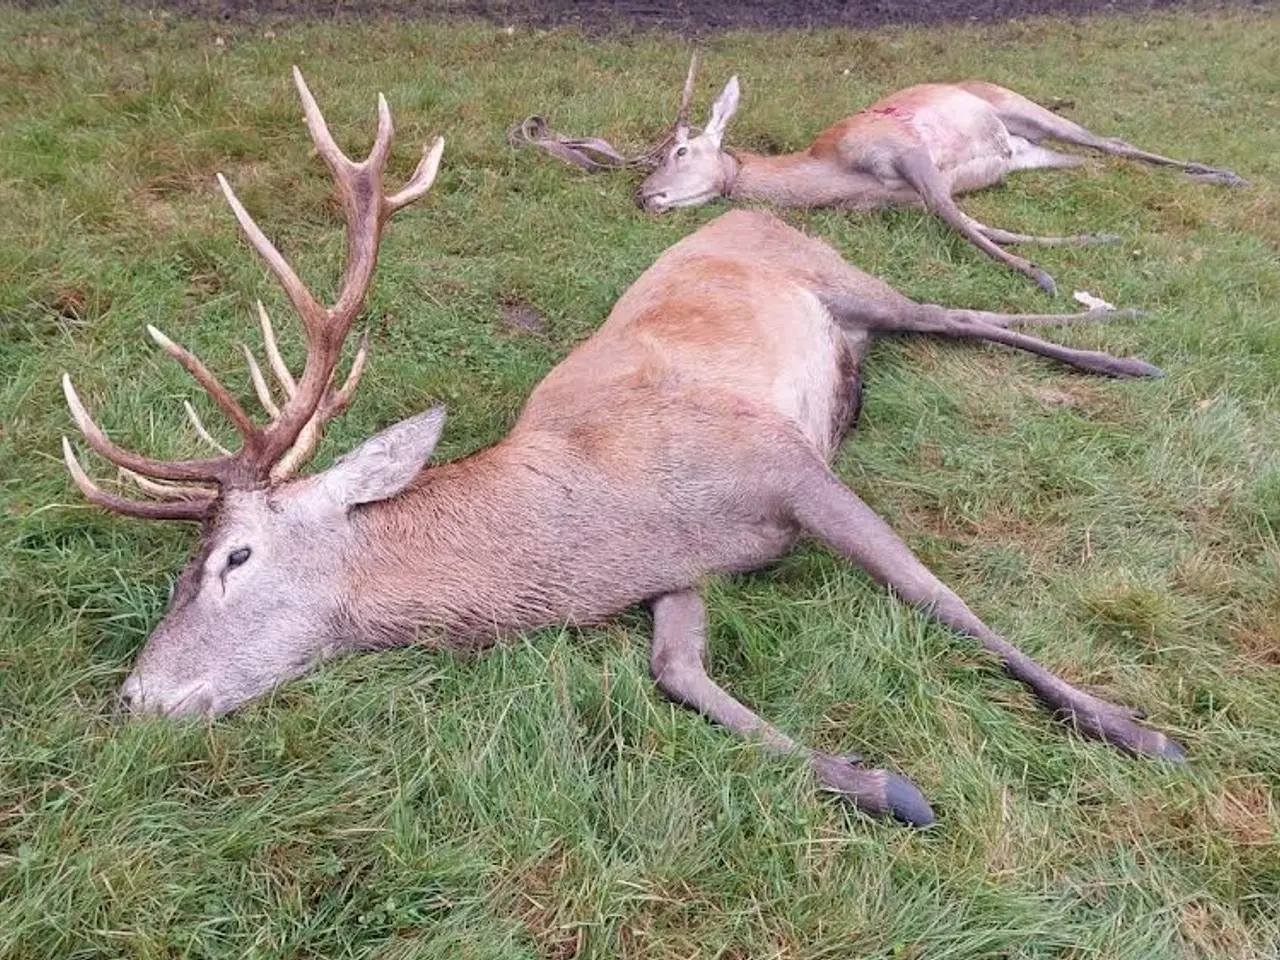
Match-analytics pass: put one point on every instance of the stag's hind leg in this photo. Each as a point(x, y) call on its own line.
point(907, 316)
point(832, 512)
point(1030, 156)
point(1002, 237)
point(918, 169)
point(677, 662)
point(1024, 118)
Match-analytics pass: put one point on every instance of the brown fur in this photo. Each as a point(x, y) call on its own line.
point(716, 360)
point(691, 435)
point(918, 146)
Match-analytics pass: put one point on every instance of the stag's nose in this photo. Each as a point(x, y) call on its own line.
point(131, 694)
point(187, 699)
point(651, 202)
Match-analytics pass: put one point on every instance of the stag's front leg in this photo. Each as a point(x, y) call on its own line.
point(1003, 237)
point(677, 662)
point(918, 169)
point(832, 512)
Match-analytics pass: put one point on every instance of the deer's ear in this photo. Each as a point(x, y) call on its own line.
point(384, 464)
point(722, 110)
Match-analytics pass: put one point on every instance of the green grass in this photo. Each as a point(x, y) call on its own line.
point(542, 800)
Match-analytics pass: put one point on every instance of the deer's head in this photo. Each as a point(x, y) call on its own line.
point(262, 599)
point(695, 169)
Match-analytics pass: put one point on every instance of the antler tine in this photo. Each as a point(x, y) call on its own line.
point(221, 396)
point(686, 96)
point(339, 162)
point(422, 178)
point(213, 470)
point(201, 431)
point(177, 510)
point(334, 403)
point(308, 309)
point(278, 367)
point(342, 398)
point(168, 491)
point(260, 383)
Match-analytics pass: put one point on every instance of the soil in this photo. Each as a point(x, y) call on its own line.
point(682, 16)
point(520, 318)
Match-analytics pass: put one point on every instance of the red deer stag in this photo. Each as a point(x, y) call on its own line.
point(692, 434)
point(924, 145)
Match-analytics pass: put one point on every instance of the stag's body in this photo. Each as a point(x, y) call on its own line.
point(690, 435)
point(643, 462)
point(854, 163)
point(918, 146)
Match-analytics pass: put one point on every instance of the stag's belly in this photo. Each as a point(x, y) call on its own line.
point(966, 141)
point(961, 133)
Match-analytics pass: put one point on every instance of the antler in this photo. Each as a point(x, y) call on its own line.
point(686, 97)
point(275, 451)
point(593, 153)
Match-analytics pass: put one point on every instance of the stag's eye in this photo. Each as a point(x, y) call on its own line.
point(236, 557)
point(681, 151)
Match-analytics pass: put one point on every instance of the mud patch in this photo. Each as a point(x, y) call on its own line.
point(683, 16)
point(521, 319)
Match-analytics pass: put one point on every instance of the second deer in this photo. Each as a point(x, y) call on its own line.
point(921, 145)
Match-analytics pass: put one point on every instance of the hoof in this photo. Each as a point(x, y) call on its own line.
point(1172, 751)
point(1133, 367)
point(1219, 178)
point(1046, 282)
point(877, 792)
point(1119, 728)
point(906, 803)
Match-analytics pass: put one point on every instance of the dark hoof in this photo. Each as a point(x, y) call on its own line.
point(1118, 727)
point(1047, 283)
point(1129, 368)
point(877, 792)
point(1172, 751)
point(1143, 742)
point(906, 803)
point(1218, 178)
point(1133, 367)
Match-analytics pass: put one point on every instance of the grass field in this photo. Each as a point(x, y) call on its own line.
point(543, 800)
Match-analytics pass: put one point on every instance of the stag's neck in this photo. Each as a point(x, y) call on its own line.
point(799, 180)
point(500, 541)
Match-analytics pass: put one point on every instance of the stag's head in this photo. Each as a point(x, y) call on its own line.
point(695, 169)
point(261, 599)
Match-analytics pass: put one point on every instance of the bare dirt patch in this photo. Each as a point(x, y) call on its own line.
point(521, 319)
point(682, 16)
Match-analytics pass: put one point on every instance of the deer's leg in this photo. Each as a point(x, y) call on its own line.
point(1028, 155)
point(910, 317)
point(832, 512)
point(916, 167)
point(996, 235)
point(677, 662)
point(1040, 124)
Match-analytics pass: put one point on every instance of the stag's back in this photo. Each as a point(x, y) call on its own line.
point(727, 327)
point(653, 455)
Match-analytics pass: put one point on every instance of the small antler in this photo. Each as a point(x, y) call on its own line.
point(593, 153)
point(275, 451)
point(686, 97)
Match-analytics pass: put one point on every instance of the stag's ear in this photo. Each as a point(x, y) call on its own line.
point(722, 111)
point(384, 464)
